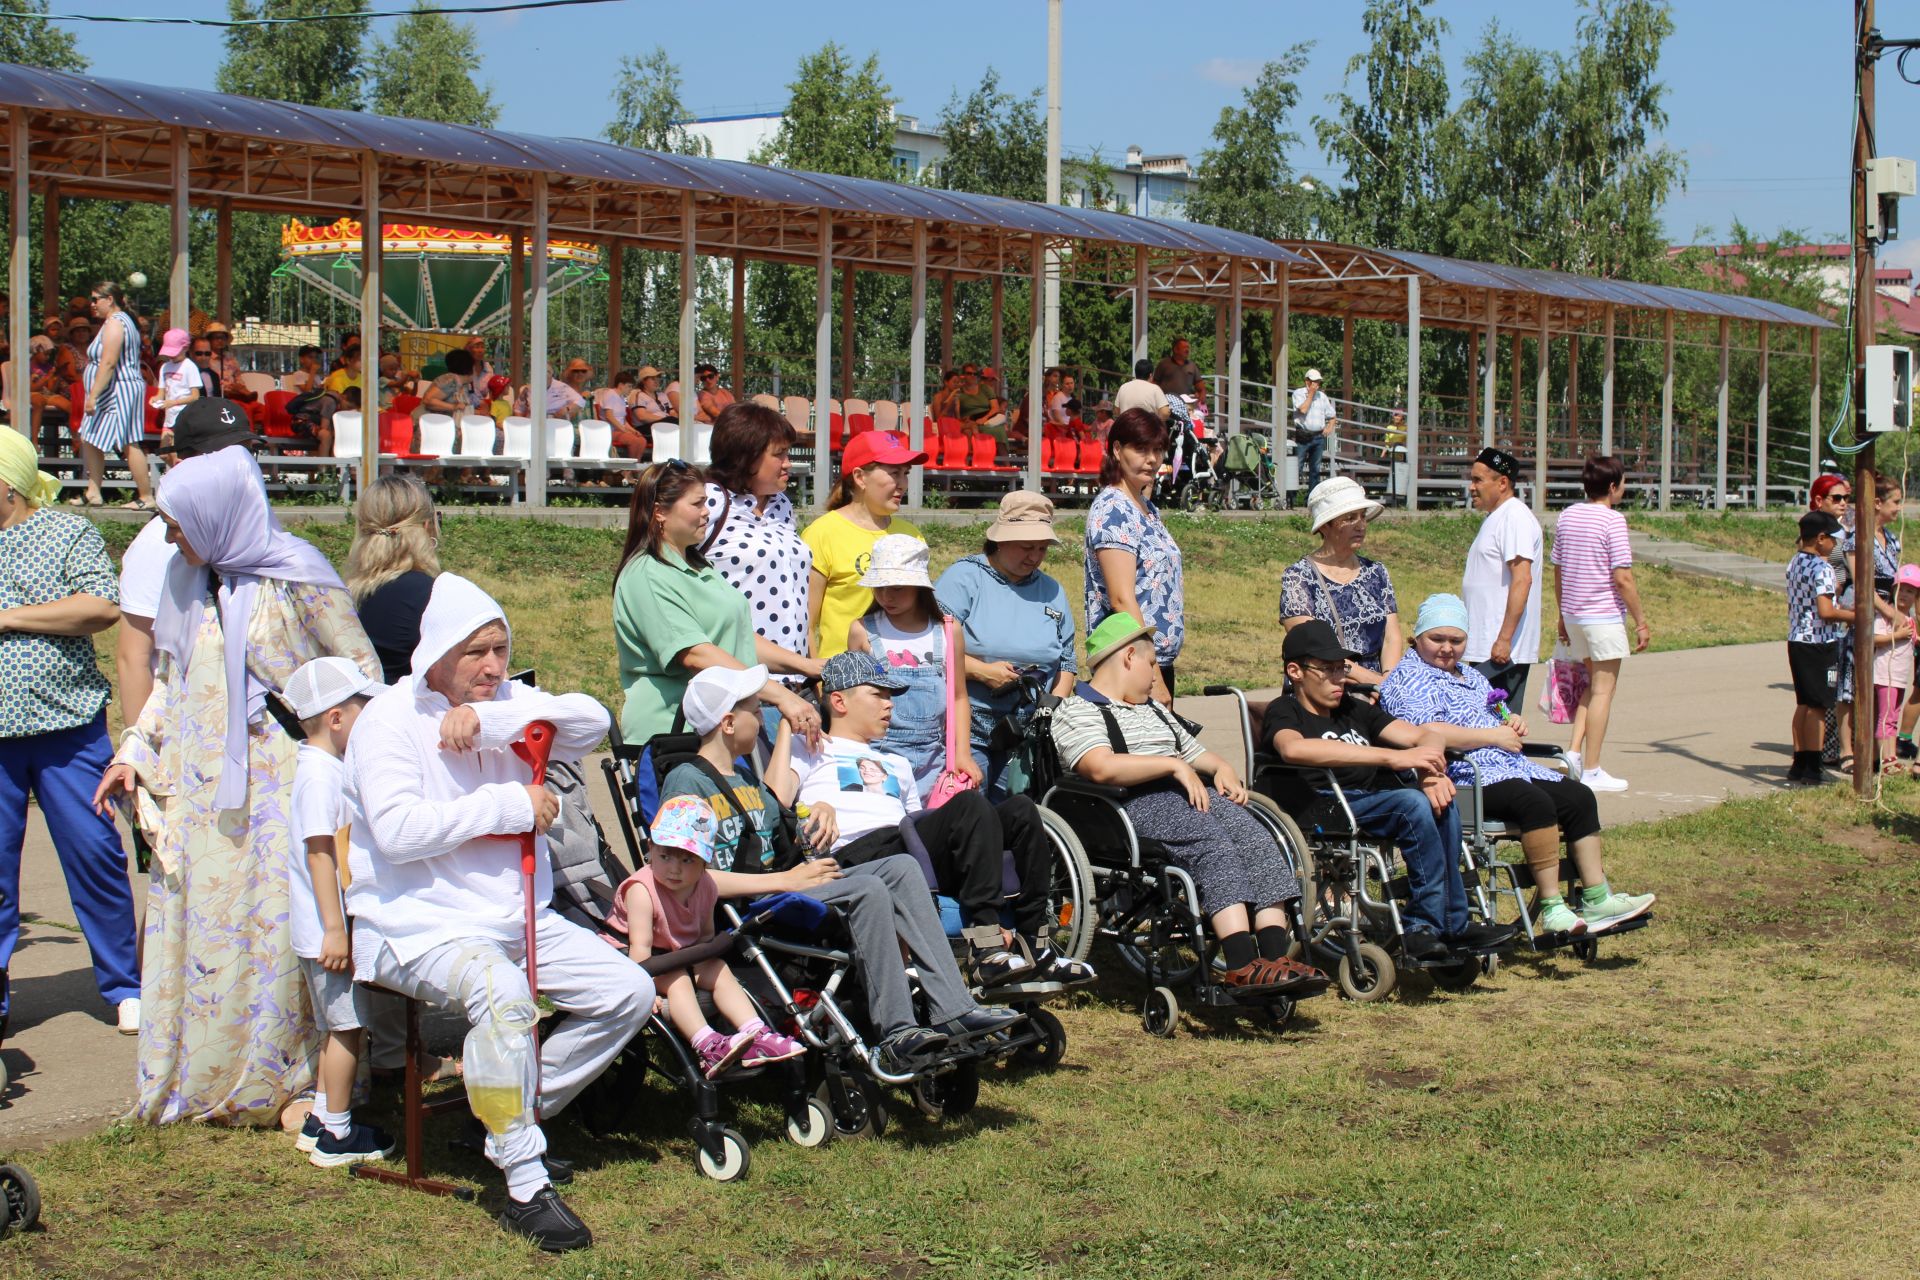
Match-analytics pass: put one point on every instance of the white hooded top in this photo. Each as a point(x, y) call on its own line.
point(434, 855)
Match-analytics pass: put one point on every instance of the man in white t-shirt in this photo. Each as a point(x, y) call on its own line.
point(1313, 421)
point(1142, 392)
point(966, 839)
point(1501, 584)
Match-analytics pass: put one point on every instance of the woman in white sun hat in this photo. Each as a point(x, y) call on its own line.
point(907, 631)
point(1342, 588)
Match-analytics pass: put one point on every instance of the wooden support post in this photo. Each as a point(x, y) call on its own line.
point(1490, 395)
point(1606, 390)
point(370, 298)
point(1813, 412)
point(999, 345)
point(1413, 395)
point(538, 375)
point(1573, 393)
point(1236, 346)
point(613, 256)
point(737, 338)
point(517, 307)
point(1036, 364)
point(1346, 360)
point(946, 324)
point(1666, 420)
point(1140, 305)
point(50, 300)
point(1540, 393)
point(179, 290)
point(19, 323)
point(823, 354)
point(1760, 426)
point(1473, 381)
point(1282, 365)
point(1720, 423)
point(847, 336)
point(916, 406)
point(223, 261)
point(1517, 340)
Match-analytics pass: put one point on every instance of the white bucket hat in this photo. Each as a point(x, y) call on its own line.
point(898, 560)
point(1333, 498)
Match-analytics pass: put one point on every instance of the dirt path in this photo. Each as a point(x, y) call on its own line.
point(1691, 728)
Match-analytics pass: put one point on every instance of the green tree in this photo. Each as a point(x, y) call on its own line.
point(996, 143)
point(316, 63)
point(648, 111)
point(1385, 139)
point(35, 42)
point(1246, 182)
point(424, 71)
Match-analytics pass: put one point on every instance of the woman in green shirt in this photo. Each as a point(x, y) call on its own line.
point(674, 615)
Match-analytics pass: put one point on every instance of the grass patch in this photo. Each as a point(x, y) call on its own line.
point(1723, 1095)
point(556, 583)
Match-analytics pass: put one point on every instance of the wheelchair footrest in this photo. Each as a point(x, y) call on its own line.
point(1019, 993)
point(1626, 926)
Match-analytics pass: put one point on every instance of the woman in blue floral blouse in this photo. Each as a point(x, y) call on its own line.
point(1132, 562)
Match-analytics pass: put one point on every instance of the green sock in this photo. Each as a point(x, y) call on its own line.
point(1557, 900)
point(1906, 737)
point(1594, 894)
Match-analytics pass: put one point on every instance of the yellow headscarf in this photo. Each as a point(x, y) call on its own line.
point(20, 470)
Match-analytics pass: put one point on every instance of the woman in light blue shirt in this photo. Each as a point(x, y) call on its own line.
point(1018, 626)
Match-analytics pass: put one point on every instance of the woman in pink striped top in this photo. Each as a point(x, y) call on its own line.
point(1593, 581)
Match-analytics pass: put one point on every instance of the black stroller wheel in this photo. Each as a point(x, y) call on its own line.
point(19, 1199)
point(865, 1114)
point(1456, 977)
point(949, 1094)
point(1052, 1045)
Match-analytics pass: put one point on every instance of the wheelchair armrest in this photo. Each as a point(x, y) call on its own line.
point(1542, 750)
point(719, 944)
point(1073, 782)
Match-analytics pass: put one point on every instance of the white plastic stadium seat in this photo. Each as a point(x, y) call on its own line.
point(596, 440)
point(436, 434)
point(767, 401)
point(519, 438)
point(347, 429)
point(666, 442)
point(700, 444)
point(477, 432)
point(293, 382)
point(258, 383)
point(860, 407)
point(559, 439)
point(886, 415)
point(798, 412)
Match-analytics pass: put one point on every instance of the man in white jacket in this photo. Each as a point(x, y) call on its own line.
point(433, 784)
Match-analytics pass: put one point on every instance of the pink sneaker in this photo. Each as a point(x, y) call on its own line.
point(771, 1046)
point(721, 1052)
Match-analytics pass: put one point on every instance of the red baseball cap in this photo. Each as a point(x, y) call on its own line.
point(884, 447)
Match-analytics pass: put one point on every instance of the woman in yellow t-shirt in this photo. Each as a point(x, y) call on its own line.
point(873, 480)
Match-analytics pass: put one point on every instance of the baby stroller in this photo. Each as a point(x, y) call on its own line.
point(1248, 464)
point(799, 974)
point(1188, 475)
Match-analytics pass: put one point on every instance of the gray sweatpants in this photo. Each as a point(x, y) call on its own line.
point(1231, 857)
point(886, 899)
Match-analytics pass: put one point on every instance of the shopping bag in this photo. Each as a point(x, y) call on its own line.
point(1566, 685)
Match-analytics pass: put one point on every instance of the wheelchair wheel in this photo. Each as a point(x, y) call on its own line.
point(1373, 978)
point(735, 1157)
point(1585, 950)
point(812, 1126)
point(1293, 843)
point(19, 1199)
point(1457, 977)
point(1160, 1014)
point(1070, 898)
point(1052, 1045)
point(949, 1094)
point(866, 1110)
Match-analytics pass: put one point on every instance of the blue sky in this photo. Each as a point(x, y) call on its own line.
point(1760, 108)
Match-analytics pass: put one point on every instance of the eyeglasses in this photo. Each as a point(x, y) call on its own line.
point(203, 351)
point(1332, 671)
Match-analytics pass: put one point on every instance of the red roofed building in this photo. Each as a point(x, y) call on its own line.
point(1892, 286)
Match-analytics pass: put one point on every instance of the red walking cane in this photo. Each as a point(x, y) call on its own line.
point(535, 748)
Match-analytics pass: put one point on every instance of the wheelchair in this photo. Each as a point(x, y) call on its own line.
point(1149, 908)
point(805, 981)
point(1353, 926)
point(1490, 877)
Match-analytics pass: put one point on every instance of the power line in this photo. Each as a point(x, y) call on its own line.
point(515, 7)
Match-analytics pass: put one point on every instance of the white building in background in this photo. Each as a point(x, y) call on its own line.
point(1151, 186)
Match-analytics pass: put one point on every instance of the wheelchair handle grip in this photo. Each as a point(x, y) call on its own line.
point(1218, 690)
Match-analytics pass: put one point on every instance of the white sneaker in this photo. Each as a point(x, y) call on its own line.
point(130, 1016)
point(1601, 780)
point(1576, 767)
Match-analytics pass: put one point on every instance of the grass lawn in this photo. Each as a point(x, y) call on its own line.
point(556, 583)
point(1727, 1094)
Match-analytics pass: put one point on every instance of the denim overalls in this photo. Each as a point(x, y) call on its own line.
point(919, 728)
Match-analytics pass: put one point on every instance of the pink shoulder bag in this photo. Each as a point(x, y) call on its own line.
point(951, 781)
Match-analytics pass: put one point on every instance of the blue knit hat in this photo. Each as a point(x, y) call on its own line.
point(1442, 610)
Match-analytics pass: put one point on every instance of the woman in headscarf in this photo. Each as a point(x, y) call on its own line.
point(57, 593)
point(226, 1030)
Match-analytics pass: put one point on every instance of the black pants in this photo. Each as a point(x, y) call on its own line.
point(968, 839)
point(1533, 806)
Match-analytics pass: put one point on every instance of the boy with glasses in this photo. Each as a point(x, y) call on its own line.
point(1322, 726)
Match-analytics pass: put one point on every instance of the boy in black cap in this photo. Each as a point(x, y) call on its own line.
point(1319, 725)
point(1816, 628)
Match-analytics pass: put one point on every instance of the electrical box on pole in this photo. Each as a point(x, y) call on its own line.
point(1889, 388)
point(1888, 178)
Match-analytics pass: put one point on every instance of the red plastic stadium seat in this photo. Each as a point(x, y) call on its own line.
point(859, 422)
point(396, 432)
point(279, 421)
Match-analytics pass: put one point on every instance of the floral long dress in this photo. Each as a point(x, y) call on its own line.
point(226, 1026)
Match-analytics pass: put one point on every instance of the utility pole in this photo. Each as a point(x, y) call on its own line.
point(1863, 308)
point(1052, 331)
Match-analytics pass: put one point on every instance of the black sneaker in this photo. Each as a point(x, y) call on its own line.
point(905, 1052)
point(1068, 972)
point(310, 1131)
point(979, 1021)
point(1485, 937)
point(1906, 748)
point(1422, 945)
point(547, 1221)
point(363, 1142)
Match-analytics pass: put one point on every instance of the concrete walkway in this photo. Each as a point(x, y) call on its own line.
point(1690, 558)
point(1690, 729)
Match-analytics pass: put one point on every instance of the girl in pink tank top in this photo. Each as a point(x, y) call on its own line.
point(667, 906)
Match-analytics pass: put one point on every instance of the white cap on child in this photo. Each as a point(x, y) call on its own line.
point(324, 684)
point(717, 690)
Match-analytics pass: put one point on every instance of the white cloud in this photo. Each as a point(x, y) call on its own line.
point(1234, 72)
